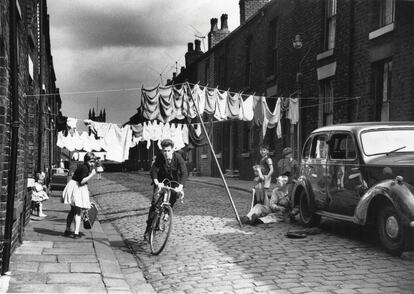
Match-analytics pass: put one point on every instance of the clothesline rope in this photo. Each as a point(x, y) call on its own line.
point(179, 84)
point(301, 107)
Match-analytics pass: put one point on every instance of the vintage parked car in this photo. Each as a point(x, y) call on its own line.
point(361, 173)
point(58, 178)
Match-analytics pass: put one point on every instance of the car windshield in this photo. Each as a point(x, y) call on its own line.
point(387, 141)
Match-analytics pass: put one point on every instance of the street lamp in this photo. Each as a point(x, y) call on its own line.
point(297, 43)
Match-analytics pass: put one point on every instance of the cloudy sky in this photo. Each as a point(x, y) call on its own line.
point(105, 45)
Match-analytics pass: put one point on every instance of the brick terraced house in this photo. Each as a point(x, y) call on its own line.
point(346, 61)
point(27, 121)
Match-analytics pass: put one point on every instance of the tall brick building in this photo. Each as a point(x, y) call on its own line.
point(352, 61)
point(29, 107)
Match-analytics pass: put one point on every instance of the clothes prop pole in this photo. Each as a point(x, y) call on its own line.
point(215, 159)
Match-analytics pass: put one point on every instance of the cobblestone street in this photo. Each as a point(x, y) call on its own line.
point(209, 252)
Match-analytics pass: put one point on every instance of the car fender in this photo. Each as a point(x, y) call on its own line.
point(303, 184)
point(399, 194)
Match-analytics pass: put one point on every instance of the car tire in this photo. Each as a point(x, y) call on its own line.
point(390, 230)
point(307, 217)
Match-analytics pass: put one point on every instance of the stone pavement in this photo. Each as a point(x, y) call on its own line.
point(48, 262)
point(209, 253)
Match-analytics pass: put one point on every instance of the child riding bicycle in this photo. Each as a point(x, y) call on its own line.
point(167, 165)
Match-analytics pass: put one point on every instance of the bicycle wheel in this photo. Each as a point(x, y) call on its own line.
point(160, 230)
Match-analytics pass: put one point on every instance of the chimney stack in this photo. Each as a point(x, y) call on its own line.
point(249, 7)
point(213, 23)
point(224, 25)
point(216, 35)
point(197, 45)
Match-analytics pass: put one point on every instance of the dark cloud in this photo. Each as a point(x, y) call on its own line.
point(159, 23)
point(100, 45)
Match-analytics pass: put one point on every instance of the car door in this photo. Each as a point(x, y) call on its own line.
point(315, 170)
point(342, 185)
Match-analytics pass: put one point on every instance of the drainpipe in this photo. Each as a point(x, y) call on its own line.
point(40, 123)
point(14, 104)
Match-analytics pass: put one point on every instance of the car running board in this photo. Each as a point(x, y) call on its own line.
point(335, 216)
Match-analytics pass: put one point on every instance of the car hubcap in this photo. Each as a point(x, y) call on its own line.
point(391, 227)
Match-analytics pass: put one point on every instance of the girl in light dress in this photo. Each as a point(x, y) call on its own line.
point(76, 193)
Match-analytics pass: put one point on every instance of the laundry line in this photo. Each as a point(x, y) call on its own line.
point(179, 84)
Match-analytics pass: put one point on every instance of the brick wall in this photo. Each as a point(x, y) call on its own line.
point(28, 107)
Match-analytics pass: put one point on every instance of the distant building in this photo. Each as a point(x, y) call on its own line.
point(95, 117)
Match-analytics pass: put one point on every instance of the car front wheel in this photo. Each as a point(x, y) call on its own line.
point(308, 218)
point(390, 230)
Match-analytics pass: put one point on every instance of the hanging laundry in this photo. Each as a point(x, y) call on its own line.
point(154, 131)
point(166, 104)
point(61, 123)
point(178, 96)
point(211, 100)
point(247, 109)
point(199, 96)
point(117, 141)
point(165, 133)
point(184, 134)
point(178, 137)
point(258, 109)
point(96, 144)
point(146, 136)
point(87, 146)
point(150, 103)
point(71, 122)
point(293, 112)
point(272, 119)
point(220, 112)
point(100, 130)
point(233, 106)
point(189, 108)
point(196, 136)
point(72, 141)
point(137, 130)
point(61, 140)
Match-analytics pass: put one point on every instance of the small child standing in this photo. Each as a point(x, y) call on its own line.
point(266, 164)
point(259, 189)
point(39, 193)
point(99, 168)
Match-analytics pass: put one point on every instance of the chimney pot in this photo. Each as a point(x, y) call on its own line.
point(224, 25)
point(190, 47)
point(213, 23)
point(197, 45)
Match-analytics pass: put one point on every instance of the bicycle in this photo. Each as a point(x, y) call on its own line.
point(162, 221)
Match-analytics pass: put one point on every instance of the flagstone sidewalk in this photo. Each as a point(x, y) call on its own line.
point(48, 262)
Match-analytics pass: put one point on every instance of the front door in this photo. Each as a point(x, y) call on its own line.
point(343, 181)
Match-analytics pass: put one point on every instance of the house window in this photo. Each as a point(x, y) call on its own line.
point(326, 102)
point(221, 67)
point(272, 49)
point(246, 137)
point(206, 71)
point(382, 89)
point(248, 62)
point(387, 12)
point(330, 23)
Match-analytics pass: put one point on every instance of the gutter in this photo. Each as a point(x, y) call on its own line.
point(15, 123)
